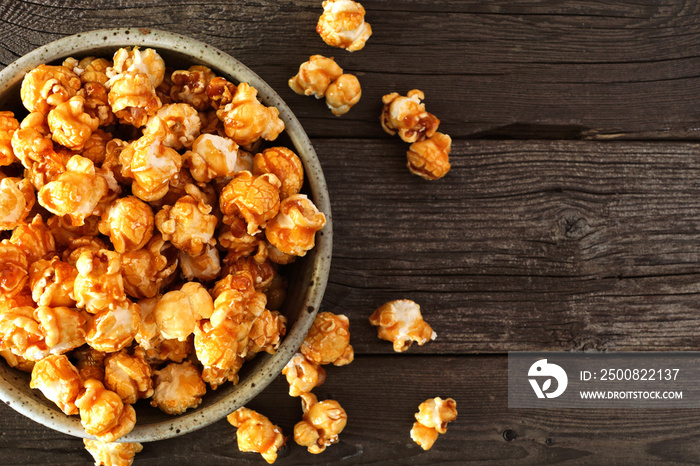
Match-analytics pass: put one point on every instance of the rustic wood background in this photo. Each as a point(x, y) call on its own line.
point(570, 219)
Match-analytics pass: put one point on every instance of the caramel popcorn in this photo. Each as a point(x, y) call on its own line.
point(429, 159)
point(102, 412)
point(343, 93)
point(114, 329)
point(133, 98)
point(213, 157)
point(343, 25)
point(407, 116)
point(266, 332)
point(76, 192)
point(315, 76)
point(75, 246)
point(210, 123)
point(262, 273)
point(21, 333)
point(63, 328)
point(285, 165)
point(51, 282)
point(205, 266)
point(14, 269)
point(8, 126)
point(256, 433)
point(46, 86)
point(190, 86)
point(151, 165)
point(239, 243)
point(129, 376)
point(59, 381)
point(133, 60)
point(32, 142)
point(17, 199)
point(188, 224)
point(69, 124)
point(90, 69)
point(169, 350)
point(432, 418)
point(278, 257)
point(321, 424)
point(246, 120)
point(293, 229)
point(147, 270)
point(97, 104)
point(401, 322)
point(177, 312)
point(328, 340)
point(35, 239)
point(177, 125)
point(112, 453)
point(17, 362)
point(128, 222)
point(220, 92)
point(178, 387)
point(256, 199)
point(99, 284)
point(303, 375)
point(90, 363)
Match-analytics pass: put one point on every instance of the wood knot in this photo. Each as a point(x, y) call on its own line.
point(574, 226)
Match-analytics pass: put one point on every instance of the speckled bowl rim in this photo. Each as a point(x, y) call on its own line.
point(255, 382)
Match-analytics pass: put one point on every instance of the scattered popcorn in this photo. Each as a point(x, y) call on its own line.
point(256, 433)
point(407, 116)
point(321, 424)
point(429, 158)
point(59, 381)
point(343, 93)
point(178, 387)
point(343, 25)
point(328, 340)
point(303, 375)
point(432, 418)
point(401, 322)
point(315, 76)
point(293, 229)
point(102, 412)
point(112, 453)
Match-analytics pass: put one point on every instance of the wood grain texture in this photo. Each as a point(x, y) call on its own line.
point(523, 245)
point(527, 69)
point(380, 404)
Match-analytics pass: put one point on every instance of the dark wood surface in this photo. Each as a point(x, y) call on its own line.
point(569, 221)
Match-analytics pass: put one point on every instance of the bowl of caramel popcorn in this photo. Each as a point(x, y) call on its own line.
point(166, 235)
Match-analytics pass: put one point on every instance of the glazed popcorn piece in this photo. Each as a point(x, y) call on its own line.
point(129, 376)
point(47, 86)
point(133, 98)
point(303, 375)
point(321, 424)
point(429, 158)
point(99, 284)
point(69, 124)
point(178, 387)
point(21, 333)
point(102, 412)
point(59, 381)
point(8, 126)
point(75, 246)
point(190, 86)
point(114, 329)
point(256, 433)
point(432, 418)
point(328, 340)
point(90, 363)
point(31, 142)
point(401, 322)
point(253, 198)
point(169, 351)
point(407, 116)
point(177, 125)
point(266, 333)
point(76, 192)
point(246, 120)
point(205, 266)
point(97, 104)
point(212, 157)
point(293, 229)
point(146, 271)
point(51, 282)
point(35, 239)
point(239, 243)
point(188, 224)
point(315, 76)
point(14, 272)
point(112, 453)
point(177, 312)
point(63, 328)
point(343, 93)
point(128, 222)
point(262, 273)
point(134, 60)
point(220, 92)
point(17, 199)
point(285, 165)
point(90, 69)
point(343, 25)
point(151, 165)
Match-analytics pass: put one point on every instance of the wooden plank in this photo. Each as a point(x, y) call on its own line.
point(584, 69)
point(540, 245)
point(380, 395)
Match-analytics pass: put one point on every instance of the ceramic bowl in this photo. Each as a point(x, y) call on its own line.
point(307, 276)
